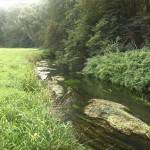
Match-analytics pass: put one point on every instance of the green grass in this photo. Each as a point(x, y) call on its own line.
point(130, 69)
point(26, 118)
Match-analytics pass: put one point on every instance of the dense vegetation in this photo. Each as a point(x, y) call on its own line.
point(74, 30)
point(26, 118)
point(77, 29)
point(130, 69)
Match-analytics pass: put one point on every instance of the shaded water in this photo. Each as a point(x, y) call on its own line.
point(96, 132)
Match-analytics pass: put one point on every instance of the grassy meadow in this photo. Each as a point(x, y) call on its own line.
point(26, 118)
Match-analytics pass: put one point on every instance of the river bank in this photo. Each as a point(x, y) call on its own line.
point(130, 69)
point(27, 116)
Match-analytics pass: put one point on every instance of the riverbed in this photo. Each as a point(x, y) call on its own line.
point(95, 132)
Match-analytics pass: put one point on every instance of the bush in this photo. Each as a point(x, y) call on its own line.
point(130, 69)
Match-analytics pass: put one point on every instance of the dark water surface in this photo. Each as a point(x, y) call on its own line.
point(97, 133)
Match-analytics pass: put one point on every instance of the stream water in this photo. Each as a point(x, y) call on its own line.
point(96, 133)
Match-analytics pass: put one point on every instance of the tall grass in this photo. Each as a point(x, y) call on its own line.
point(26, 121)
point(130, 69)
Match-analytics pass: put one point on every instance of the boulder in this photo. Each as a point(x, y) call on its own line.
point(42, 63)
point(42, 69)
point(53, 69)
point(58, 90)
point(118, 116)
point(42, 72)
point(38, 69)
point(58, 78)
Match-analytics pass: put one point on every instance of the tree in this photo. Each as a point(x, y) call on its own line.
point(33, 23)
point(2, 21)
point(57, 25)
point(14, 33)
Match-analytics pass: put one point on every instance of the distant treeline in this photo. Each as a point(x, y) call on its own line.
point(74, 30)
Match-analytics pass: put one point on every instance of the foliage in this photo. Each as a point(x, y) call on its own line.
point(14, 34)
point(2, 21)
point(92, 27)
point(74, 30)
point(21, 26)
point(129, 69)
point(33, 23)
point(26, 118)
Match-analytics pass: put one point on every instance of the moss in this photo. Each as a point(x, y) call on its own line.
point(72, 82)
point(117, 116)
point(129, 125)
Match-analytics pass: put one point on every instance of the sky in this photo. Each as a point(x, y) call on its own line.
point(9, 3)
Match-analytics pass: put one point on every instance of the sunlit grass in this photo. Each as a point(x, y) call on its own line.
point(25, 122)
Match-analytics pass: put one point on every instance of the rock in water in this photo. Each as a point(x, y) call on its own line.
point(58, 90)
point(42, 70)
point(58, 78)
point(118, 116)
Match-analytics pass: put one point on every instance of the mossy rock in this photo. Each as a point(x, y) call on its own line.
point(117, 116)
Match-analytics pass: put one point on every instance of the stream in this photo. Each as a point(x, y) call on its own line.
point(94, 132)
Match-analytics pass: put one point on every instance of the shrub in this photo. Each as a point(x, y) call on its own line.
point(130, 69)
